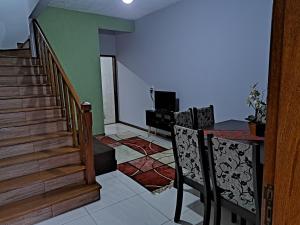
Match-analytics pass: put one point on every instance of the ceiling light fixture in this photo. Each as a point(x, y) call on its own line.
point(127, 1)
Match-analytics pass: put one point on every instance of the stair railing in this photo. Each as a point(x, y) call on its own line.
point(78, 116)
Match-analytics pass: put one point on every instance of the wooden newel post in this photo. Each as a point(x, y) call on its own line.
point(87, 146)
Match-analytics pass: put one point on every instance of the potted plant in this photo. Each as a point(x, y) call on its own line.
point(257, 122)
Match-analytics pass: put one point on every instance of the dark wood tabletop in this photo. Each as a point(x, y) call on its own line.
point(235, 130)
point(238, 130)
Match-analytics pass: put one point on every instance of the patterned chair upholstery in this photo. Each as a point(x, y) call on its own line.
point(233, 168)
point(204, 117)
point(191, 167)
point(184, 119)
point(188, 153)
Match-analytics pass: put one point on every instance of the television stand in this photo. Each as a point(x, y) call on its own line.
point(159, 119)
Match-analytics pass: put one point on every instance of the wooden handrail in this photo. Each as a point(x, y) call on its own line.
point(78, 116)
point(60, 68)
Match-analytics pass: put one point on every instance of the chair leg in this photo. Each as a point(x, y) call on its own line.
point(175, 184)
point(217, 212)
point(207, 209)
point(202, 197)
point(243, 221)
point(179, 201)
point(233, 218)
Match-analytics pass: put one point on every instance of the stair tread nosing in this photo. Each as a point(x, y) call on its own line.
point(33, 138)
point(31, 122)
point(19, 182)
point(29, 109)
point(35, 156)
point(24, 85)
point(24, 75)
point(14, 64)
point(50, 199)
point(26, 96)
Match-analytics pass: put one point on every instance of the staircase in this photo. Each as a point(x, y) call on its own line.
point(46, 155)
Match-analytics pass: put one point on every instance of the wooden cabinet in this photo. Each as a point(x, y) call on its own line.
point(159, 119)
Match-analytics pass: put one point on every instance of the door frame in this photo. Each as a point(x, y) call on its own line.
point(115, 84)
point(284, 18)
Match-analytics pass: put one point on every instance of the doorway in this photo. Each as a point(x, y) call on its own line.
point(109, 89)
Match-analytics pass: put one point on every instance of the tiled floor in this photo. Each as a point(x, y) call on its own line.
point(125, 202)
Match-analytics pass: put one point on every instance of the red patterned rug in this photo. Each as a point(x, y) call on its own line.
point(152, 165)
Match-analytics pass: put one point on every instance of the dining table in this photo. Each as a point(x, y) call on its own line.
point(237, 130)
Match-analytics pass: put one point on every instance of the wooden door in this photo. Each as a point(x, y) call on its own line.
point(282, 157)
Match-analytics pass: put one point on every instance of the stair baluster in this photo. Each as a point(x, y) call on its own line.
point(78, 116)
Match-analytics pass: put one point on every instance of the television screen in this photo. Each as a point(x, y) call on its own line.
point(165, 100)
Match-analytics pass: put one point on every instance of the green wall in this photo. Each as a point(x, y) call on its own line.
point(75, 40)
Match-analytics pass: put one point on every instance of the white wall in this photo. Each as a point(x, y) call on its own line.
point(208, 51)
point(134, 96)
point(108, 94)
point(14, 25)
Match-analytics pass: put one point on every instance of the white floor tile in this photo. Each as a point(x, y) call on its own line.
point(105, 177)
point(125, 154)
point(188, 218)
point(66, 217)
point(87, 220)
point(165, 202)
point(165, 143)
point(123, 135)
point(112, 191)
point(172, 165)
point(166, 157)
point(134, 211)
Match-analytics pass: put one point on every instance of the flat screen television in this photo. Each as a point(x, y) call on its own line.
point(165, 100)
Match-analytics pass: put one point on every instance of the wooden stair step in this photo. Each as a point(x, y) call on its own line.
point(26, 129)
point(20, 70)
point(48, 205)
point(38, 161)
point(24, 91)
point(19, 115)
point(36, 143)
point(17, 61)
point(27, 101)
point(23, 85)
point(24, 96)
point(36, 156)
point(38, 183)
point(23, 79)
point(29, 109)
point(34, 138)
point(24, 53)
point(30, 122)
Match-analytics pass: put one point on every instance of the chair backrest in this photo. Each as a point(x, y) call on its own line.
point(187, 153)
point(184, 119)
point(203, 117)
point(234, 171)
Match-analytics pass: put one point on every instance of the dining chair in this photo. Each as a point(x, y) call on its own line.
point(234, 172)
point(184, 118)
point(203, 117)
point(191, 166)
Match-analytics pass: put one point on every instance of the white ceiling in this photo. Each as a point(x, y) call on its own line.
point(115, 8)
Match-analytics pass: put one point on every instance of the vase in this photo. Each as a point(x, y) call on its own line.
point(252, 128)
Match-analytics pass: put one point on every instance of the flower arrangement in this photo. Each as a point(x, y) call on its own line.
point(256, 100)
